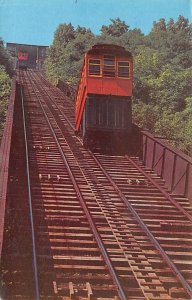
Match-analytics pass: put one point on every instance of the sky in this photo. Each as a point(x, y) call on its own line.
point(35, 21)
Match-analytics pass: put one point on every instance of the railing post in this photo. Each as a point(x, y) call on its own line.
point(173, 172)
point(163, 163)
point(145, 154)
point(186, 179)
point(154, 150)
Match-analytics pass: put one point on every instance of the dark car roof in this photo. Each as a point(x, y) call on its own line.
point(109, 49)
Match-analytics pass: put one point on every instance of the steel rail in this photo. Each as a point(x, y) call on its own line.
point(162, 252)
point(88, 215)
point(37, 293)
point(66, 118)
point(164, 255)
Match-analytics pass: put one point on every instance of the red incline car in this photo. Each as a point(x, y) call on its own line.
point(22, 55)
point(103, 102)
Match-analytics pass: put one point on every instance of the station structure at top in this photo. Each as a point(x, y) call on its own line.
point(36, 54)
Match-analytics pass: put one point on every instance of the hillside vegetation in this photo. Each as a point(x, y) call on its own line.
point(5, 83)
point(162, 101)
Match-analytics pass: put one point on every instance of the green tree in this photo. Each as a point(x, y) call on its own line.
point(147, 64)
point(63, 34)
point(6, 71)
point(145, 115)
point(170, 89)
point(5, 88)
point(133, 40)
point(116, 28)
point(5, 59)
point(66, 53)
point(157, 38)
point(172, 40)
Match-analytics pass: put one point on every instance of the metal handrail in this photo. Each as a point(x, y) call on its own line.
point(168, 147)
point(179, 159)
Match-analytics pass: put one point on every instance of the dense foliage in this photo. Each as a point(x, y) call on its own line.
point(162, 101)
point(5, 83)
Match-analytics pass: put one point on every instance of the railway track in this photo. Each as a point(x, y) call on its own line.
point(103, 226)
